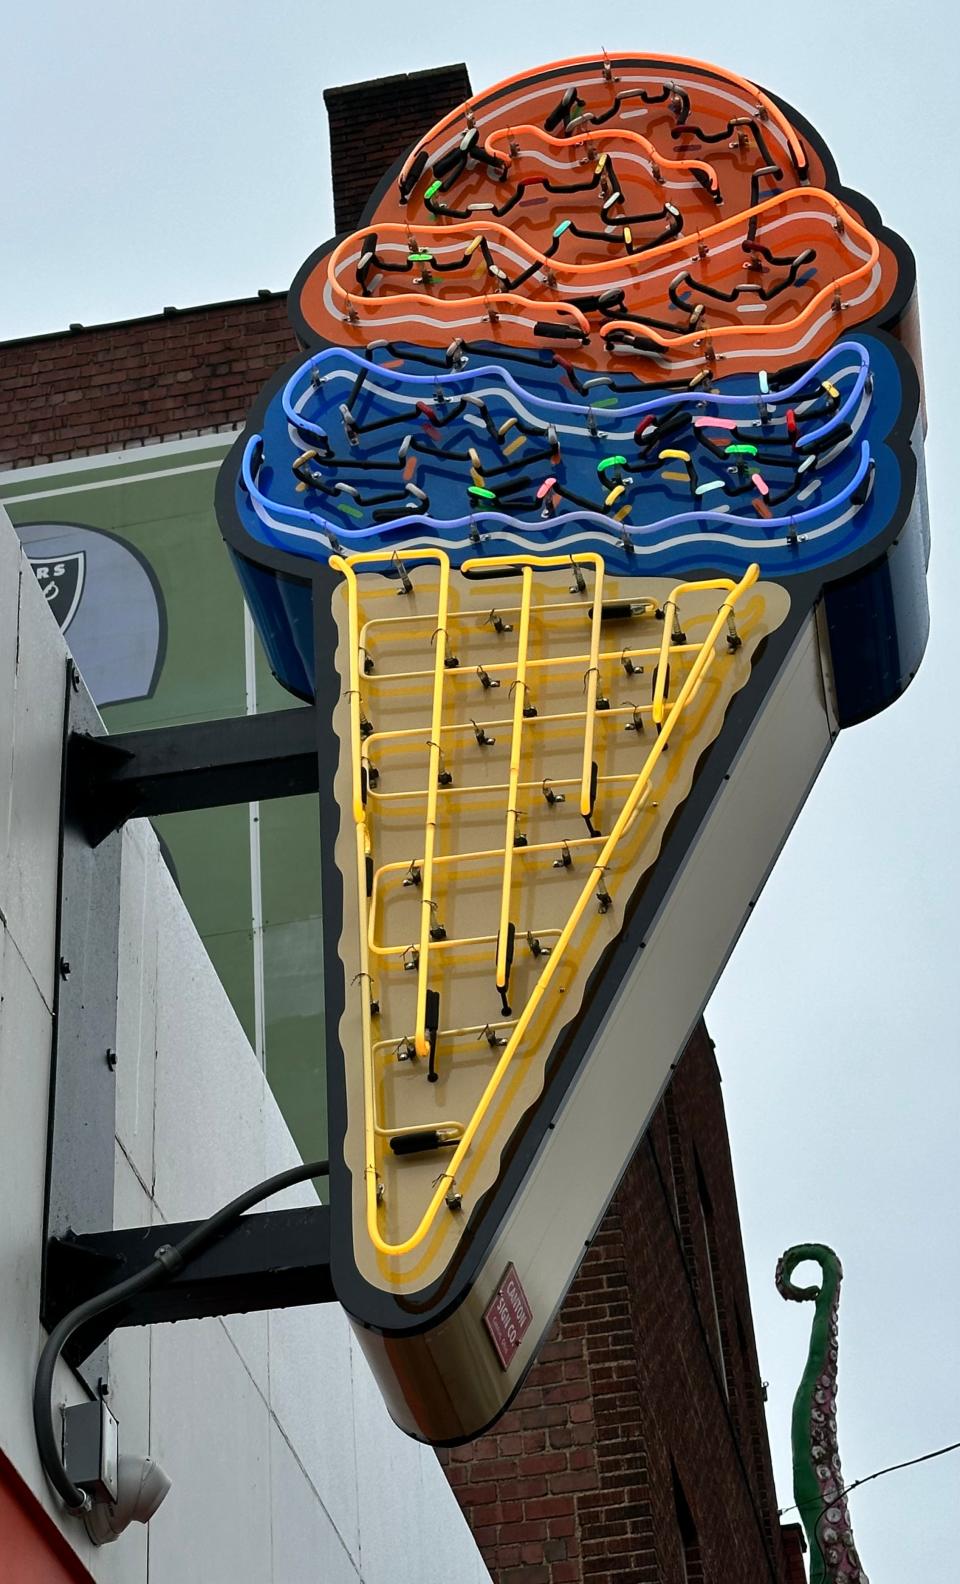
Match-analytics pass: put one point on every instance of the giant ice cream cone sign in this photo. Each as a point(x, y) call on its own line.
point(591, 513)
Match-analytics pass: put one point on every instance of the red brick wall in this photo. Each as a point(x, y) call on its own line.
point(627, 1404)
point(578, 1480)
point(794, 1547)
point(163, 378)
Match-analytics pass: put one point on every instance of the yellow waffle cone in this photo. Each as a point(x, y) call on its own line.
point(509, 784)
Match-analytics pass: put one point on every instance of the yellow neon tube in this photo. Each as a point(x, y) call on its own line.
point(597, 873)
point(593, 687)
point(666, 648)
point(630, 808)
point(519, 704)
point(537, 720)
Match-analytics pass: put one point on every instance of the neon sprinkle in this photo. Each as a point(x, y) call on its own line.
point(761, 484)
point(545, 488)
point(741, 450)
point(611, 461)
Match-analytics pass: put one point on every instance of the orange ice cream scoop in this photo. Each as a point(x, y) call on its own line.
point(662, 218)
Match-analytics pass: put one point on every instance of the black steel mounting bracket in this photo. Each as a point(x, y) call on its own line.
point(270, 1260)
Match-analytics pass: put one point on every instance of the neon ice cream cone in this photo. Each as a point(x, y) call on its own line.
point(590, 517)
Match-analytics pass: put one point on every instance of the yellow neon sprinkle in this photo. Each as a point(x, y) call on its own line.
point(478, 478)
point(510, 423)
point(831, 390)
point(623, 512)
point(676, 478)
point(614, 495)
point(678, 456)
point(514, 445)
point(601, 162)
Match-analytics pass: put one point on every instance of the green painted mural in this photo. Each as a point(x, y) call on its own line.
point(129, 555)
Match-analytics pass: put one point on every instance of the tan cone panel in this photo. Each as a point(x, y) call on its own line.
point(484, 878)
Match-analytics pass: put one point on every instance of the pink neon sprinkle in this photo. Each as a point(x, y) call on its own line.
point(545, 488)
point(714, 423)
point(763, 487)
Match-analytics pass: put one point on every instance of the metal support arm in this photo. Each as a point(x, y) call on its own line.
point(208, 764)
point(278, 1259)
point(271, 1260)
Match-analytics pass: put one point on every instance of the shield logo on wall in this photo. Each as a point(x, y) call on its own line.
point(61, 580)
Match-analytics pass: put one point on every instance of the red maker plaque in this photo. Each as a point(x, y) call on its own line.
point(507, 1316)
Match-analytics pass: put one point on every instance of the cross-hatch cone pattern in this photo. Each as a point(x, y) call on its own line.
point(603, 454)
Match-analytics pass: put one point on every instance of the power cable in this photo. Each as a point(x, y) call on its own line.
point(892, 1469)
point(167, 1262)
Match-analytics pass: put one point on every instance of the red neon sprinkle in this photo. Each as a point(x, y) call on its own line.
point(791, 423)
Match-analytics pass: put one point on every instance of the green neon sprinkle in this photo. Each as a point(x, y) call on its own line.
point(563, 226)
point(433, 188)
point(481, 494)
point(608, 401)
point(420, 258)
point(352, 511)
point(741, 450)
point(611, 461)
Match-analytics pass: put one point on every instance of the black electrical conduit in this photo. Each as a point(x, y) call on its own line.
point(167, 1261)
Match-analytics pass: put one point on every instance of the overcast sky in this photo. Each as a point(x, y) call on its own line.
point(177, 153)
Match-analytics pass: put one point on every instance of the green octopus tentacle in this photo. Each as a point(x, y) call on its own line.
point(817, 1479)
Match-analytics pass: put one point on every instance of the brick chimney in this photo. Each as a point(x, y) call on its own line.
point(373, 123)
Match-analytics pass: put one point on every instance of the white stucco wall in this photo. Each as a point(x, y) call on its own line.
point(285, 1466)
